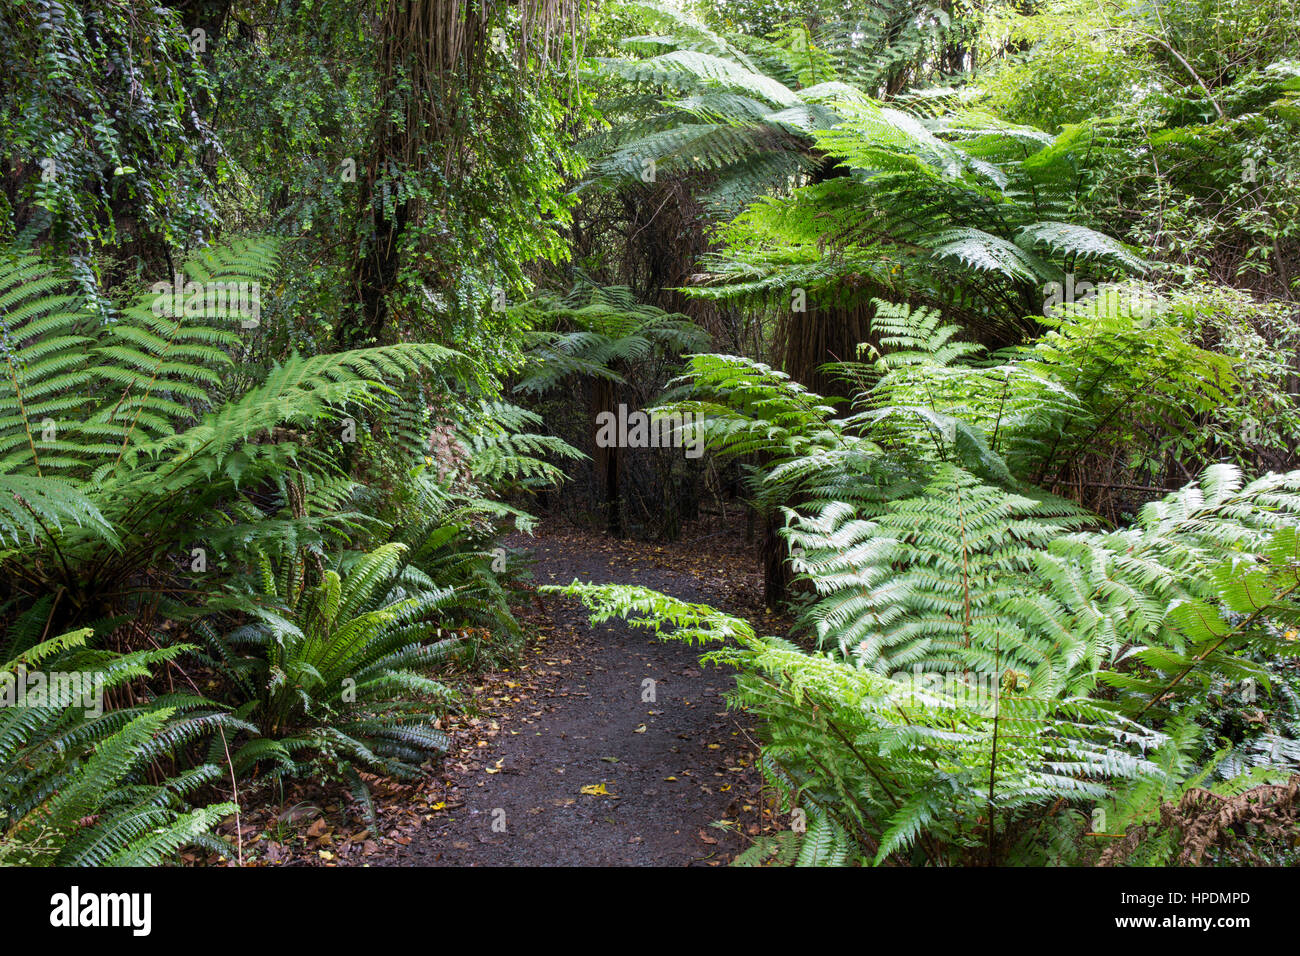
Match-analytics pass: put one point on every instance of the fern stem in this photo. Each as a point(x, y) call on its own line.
point(873, 846)
point(929, 850)
point(22, 413)
point(1243, 626)
point(993, 756)
point(54, 543)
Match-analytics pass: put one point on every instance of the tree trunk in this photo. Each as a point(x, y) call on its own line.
point(809, 340)
point(776, 569)
point(375, 273)
point(606, 461)
point(813, 338)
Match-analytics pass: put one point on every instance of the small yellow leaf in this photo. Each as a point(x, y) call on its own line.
point(595, 790)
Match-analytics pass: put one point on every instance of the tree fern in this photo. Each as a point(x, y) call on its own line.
point(888, 771)
point(116, 429)
point(953, 210)
point(592, 331)
point(742, 125)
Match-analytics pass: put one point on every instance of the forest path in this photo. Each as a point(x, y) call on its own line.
point(571, 714)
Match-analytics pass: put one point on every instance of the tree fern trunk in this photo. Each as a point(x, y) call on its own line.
point(811, 339)
point(606, 460)
point(776, 569)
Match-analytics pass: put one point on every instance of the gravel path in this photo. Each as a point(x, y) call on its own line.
point(608, 708)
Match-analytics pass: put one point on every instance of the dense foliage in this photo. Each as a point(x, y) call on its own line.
point(983, 312)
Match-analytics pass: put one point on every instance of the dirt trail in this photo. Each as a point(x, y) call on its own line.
point(572, 715)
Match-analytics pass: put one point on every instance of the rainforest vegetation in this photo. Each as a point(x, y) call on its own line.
point(979, 318)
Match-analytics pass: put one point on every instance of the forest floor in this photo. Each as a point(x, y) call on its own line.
point(566, 757)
